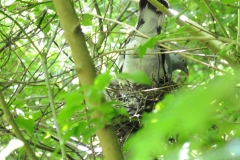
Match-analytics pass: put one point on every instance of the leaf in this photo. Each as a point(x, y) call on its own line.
point(102, 81)
point(149, 43)
point(95, 93)
point(89, 133)
point(34, 115)
point(137, 77)
point(110, 110)
point(26, 124)
point(189, 113)
point(80, 128)
point(86, 20)
point(228, 1)
point(76, 131)
point(73, 103)
point(11, 7)
point(226, 49)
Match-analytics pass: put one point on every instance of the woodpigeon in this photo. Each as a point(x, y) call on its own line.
point(156, 66)
point(178, 62)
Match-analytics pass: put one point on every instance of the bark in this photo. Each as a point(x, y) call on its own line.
point(86, 72)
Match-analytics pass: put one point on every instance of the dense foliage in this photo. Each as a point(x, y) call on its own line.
point(38, 73)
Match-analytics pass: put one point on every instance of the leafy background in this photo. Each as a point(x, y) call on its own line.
point(203, 114)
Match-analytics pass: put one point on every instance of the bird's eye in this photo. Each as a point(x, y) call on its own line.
point(183, 60)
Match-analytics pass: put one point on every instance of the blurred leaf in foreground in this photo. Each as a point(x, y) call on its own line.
point(188, 116)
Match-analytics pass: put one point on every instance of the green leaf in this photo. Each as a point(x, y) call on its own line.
point(89, 133)
point(73, 103)
point(110, 110)
point(12, 7)
point(141, 50)
point(226, 49)
point(102, 81)
point(26, 124)
point(228, 1)
point(190, 113)
point(76, 131)
point(149, 43)
point(80, 128)
point(94, 95)
point(137, 77)
point(34, 115)
point(193, 6)
point(95, 92)
point(86, 20)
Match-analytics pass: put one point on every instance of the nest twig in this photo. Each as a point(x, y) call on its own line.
point(136, 99)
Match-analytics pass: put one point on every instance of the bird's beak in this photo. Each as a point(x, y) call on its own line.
point(187, 73)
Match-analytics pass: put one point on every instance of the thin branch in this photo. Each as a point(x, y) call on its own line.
point(100, 40)
point(98, 13)
point(121, 23)
point(203, 63)
point(226, 4)
point(216, 19)
point(195, 29)
point(50, 95)
point(238, 27)
point(15, 128)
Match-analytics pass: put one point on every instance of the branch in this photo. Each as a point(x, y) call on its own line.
point(49, 90)
point(101, 39)
point(238, 29)
point(86, 73)
point(15, 128)
point(216, 18)
point(195, 29)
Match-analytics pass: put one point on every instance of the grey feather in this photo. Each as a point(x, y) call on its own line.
point(178, 62)
point(156, 66)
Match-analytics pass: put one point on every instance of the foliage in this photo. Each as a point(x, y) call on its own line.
point(203, 115)
point(201, 118)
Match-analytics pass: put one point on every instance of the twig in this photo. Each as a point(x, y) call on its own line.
point(15, 128)
point(50, 95)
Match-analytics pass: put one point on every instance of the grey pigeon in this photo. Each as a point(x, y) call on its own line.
point(156, 66)
point(178, 62)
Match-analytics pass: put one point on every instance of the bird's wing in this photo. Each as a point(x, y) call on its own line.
point(149, 23)
point(121, 58)
point(143, 6)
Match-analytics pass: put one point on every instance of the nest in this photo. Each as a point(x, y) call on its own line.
point(137, 99)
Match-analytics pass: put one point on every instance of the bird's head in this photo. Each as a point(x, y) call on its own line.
point(179, 62)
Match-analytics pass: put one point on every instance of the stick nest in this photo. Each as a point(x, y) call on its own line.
point(137, 99)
